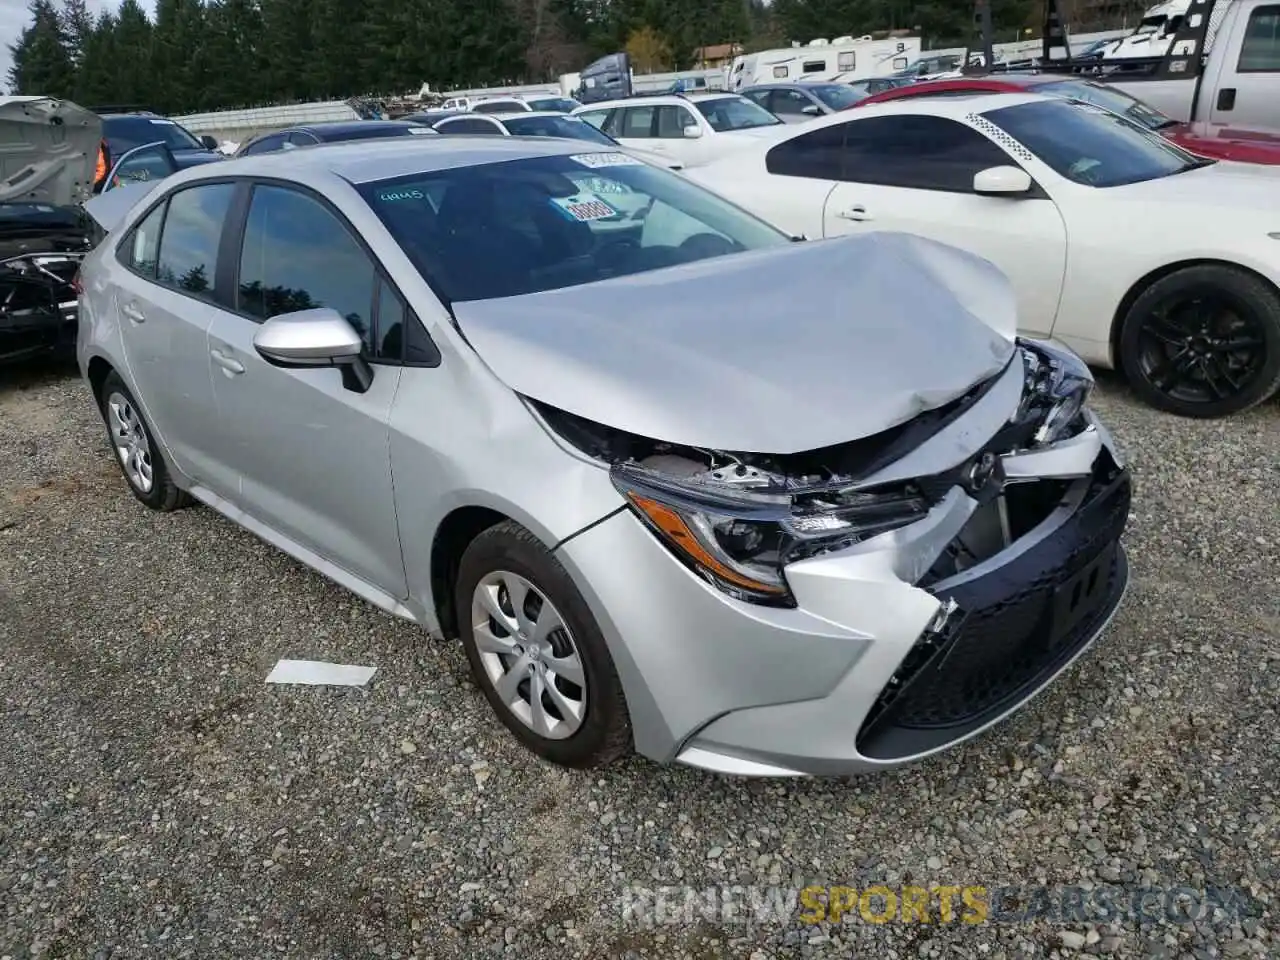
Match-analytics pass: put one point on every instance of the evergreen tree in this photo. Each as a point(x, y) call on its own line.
point(42, 62)
point(212, 54)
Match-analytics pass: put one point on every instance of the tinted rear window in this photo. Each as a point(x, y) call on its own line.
point(568, 127)
point(373, 132)
point(125, 133)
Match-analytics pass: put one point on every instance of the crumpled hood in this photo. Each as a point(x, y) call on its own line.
point(50, 149)
point(774, 351)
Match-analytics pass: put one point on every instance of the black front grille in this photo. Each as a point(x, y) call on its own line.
point(1014, 627)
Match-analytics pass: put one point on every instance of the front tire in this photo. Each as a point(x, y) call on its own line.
point(135, 449)
point(536, 651)
point(1203, 342)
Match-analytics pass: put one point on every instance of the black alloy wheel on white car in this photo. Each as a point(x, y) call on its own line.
point(1204, 342)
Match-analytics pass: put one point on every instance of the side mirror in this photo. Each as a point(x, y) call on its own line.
point(319, 337)
point(692, 133)
point(1004, 181)
point(210, 143)
point(151, 161)
point(812, 110)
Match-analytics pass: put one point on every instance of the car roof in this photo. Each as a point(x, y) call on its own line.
point(339, 127)
point(365, 161)
point(956, 107)
point(641, 99)
point(525, 114)
point(787, 84)
point(980, 83)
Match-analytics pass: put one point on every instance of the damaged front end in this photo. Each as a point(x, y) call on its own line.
point(41, 248)
point(1015, 535)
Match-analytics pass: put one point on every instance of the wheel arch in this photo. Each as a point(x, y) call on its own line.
point(452, 537)
point(1156, 275)
point(97, 372)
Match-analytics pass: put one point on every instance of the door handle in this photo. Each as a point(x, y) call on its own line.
point(858, 214)
point(133, 312)
point(230, 365)
point(1227, 98)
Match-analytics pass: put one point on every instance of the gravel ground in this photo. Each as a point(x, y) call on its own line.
point(158, 799)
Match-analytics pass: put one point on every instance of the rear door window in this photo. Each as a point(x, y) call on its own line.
point(188, 255)
point(637, 122)
point(468, 125)
point(267, 144)
point(139, 252)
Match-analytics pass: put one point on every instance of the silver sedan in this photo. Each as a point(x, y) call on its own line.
point(676, 482)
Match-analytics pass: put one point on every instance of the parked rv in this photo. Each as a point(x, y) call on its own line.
point(823, 60)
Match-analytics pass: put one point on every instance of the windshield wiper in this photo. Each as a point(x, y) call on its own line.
point(1197, 164)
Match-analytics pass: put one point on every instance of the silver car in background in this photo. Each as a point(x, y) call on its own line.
point(675, 481)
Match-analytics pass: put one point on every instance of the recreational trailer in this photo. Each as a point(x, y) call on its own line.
point(854, 58)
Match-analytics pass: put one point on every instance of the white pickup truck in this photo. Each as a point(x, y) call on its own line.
point(1215, 62)
point(1222, 65)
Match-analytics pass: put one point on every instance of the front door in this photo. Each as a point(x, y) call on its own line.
point(313, 456)
point(914, 174)
point(1247, 91)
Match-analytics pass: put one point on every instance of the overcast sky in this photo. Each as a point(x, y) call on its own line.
point(14, 18)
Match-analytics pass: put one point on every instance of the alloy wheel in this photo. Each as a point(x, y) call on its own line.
point(129, 439)
point(1206, 347)
point(529, 655)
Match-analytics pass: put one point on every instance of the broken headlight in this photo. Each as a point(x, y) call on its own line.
point(1058, 384)
point(740, 539)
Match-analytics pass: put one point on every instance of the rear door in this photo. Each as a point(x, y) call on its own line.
point(669, 139)
point(914, 174)
point(1247, 90)
point(312, 455)
point(165, 299)
point(634, 126)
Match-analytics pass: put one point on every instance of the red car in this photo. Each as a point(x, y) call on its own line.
point(1216, 140)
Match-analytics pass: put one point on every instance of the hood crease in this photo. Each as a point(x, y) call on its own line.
point(801, 346)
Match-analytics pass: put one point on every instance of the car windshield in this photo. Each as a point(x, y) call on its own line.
point(558, 104)
point(1112, 99)
point(1091, 145)
point(837, 96)
point(570, 128)
point(543, 223)
point(735, 113)
point(125, 133)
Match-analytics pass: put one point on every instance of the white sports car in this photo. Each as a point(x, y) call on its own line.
point(1119, 244)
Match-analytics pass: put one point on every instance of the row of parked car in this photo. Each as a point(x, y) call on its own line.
point(1147, 270)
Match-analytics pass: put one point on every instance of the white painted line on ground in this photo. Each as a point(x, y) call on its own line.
point(317, 672)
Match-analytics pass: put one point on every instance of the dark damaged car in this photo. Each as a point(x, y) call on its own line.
point(676, 481)
point(47, 169)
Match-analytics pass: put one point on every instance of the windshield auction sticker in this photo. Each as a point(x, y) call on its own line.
point(598, 160)
point(584, 207)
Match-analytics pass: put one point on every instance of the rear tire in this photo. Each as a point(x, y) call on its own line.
point(536, 651)
point(1203, 342)
point(135, 449)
